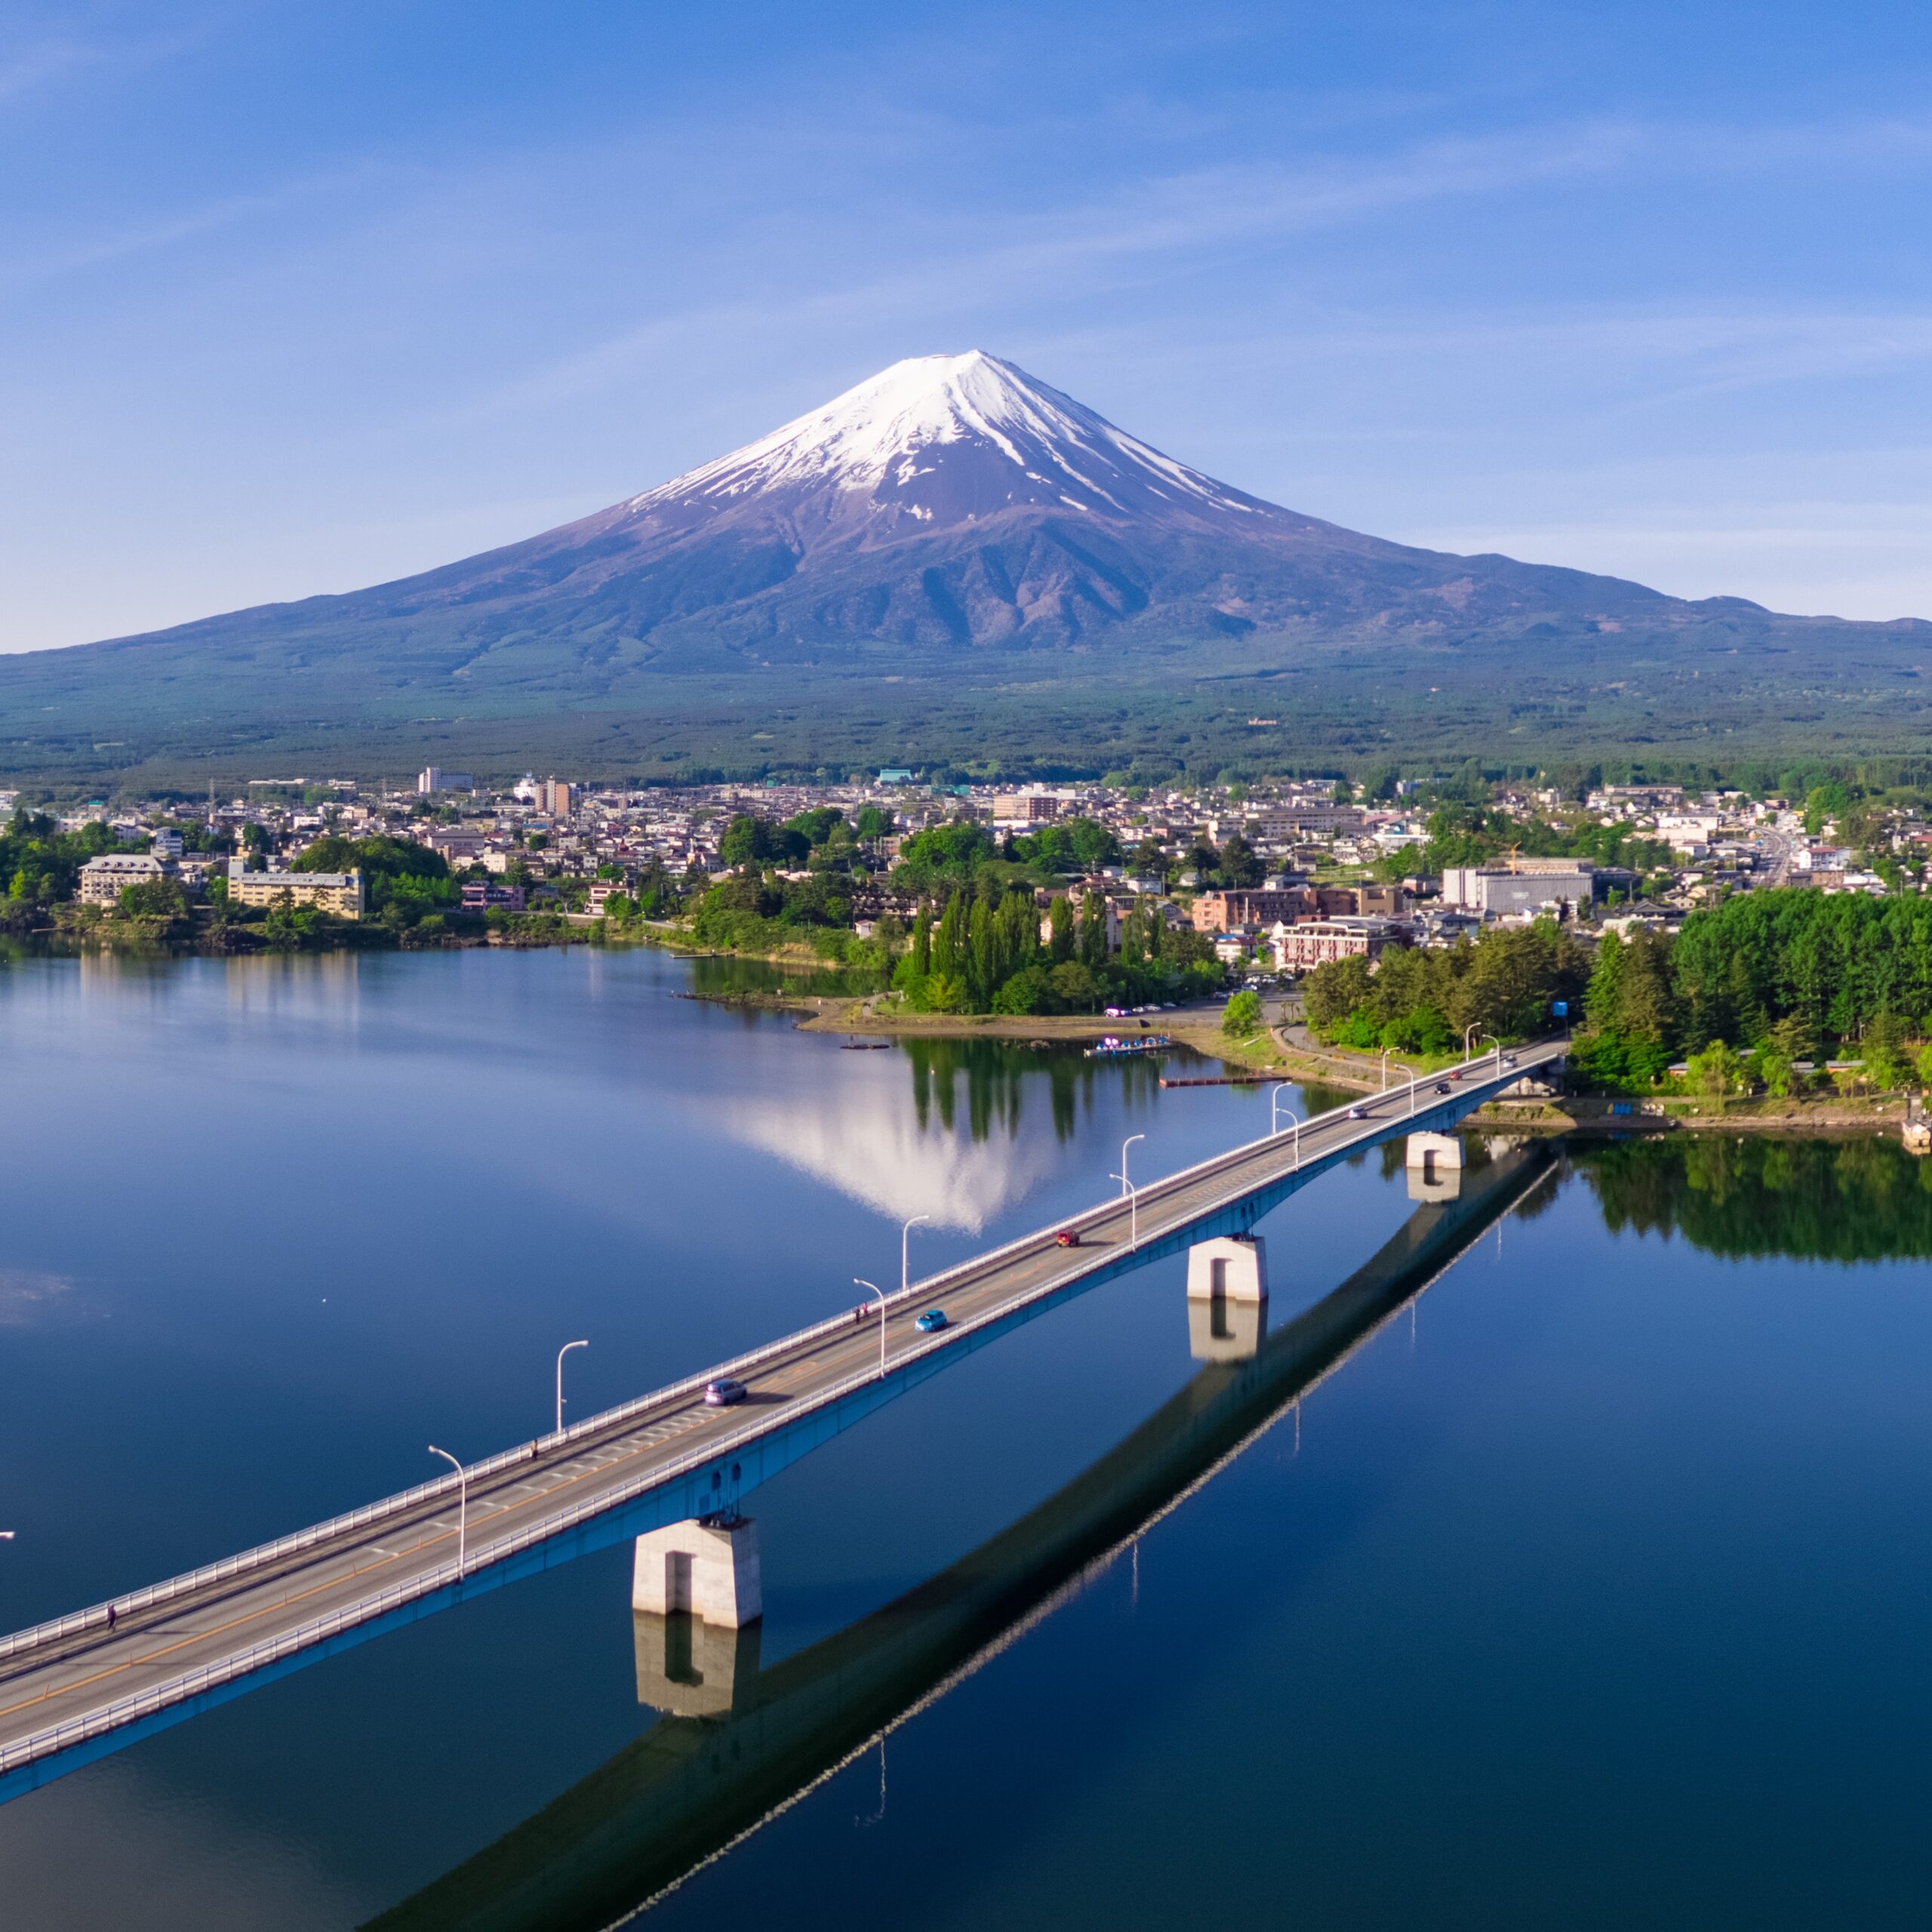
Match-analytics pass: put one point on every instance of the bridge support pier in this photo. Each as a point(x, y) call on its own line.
point(1227, 1298)
point(1434, 1165)
point(708, 1567)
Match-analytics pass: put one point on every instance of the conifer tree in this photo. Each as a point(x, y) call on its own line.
point(1060, 941)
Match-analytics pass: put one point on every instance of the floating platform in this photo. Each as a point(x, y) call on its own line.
point(1112, 1048)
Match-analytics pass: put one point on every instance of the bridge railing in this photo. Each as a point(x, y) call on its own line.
point(190, 1685)
point(171, 1588)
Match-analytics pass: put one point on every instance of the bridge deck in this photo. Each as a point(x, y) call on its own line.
point(94, 1680)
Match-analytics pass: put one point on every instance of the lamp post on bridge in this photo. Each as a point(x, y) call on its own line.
point(1386, 1052)
point(1275, 1118)
point(561, 1353)
point(905, 1252)
point(463, 1507)
point(1128, 1188)
point(881, 1294)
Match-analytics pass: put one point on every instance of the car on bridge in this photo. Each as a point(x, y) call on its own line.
point(1068, 1237)
point(931, 1322)
point(722, 1393)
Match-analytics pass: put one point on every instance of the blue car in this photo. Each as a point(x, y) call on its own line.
point(932, 1322)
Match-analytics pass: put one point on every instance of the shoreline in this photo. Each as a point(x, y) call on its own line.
point(1587, 1117)
point(1265, 1054)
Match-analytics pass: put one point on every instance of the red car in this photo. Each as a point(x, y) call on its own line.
point(1068, 1237)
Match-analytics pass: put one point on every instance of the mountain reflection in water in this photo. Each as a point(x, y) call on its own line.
point(693, 1784)
point(861, 1137)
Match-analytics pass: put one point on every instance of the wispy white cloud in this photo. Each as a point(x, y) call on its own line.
point(23, 69)
point(966, 261)
point(28, 1296)
point(31, 58)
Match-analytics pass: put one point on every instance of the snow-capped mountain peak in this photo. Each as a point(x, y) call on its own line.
point(942, 439)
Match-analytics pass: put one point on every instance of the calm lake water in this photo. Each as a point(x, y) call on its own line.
point(1592, 1589)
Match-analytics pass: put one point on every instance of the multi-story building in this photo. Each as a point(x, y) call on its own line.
point(461, 845)
point(102, 879)
point(1224, 912)
point(478, 896)
point(1348, 902)
point(339, 893)
point(1520, 887)
point(434, 778)
point(1316, 942)
point(1025, 808)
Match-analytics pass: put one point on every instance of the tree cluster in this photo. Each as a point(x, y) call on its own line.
point(1504, 983)
point(40, 864)
point(1792, 974)
point(984, 953)
point(403, 882)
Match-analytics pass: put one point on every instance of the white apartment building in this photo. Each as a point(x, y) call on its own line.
point(102, 879)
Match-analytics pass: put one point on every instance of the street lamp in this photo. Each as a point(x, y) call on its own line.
point(881, 1294)
point(561, 1353)
point(905, 1236)
point(1128, 1188)
point(1275, 1121)
point(463, 1507)
point(1386, 1052)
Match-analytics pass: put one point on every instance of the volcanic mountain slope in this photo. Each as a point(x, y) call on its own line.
point(956, 524)
point(949, 501)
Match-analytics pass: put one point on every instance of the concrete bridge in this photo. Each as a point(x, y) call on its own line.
point(664, 1468)
point(737, 1741)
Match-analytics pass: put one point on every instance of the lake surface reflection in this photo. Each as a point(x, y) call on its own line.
point(1589, 1588)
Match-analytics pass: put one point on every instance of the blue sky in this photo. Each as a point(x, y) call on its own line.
point(297, 298)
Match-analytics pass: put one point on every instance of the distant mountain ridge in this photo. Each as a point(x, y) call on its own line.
point(952, 522)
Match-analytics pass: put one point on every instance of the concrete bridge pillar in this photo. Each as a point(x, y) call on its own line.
point(707, 1567)
point(1435, 1164)
point(1234, 1267)
point(1227, 1298)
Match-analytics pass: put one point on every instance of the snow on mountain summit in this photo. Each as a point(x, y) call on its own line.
point(946, 439)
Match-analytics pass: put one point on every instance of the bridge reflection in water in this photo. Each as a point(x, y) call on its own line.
point(738, 1743)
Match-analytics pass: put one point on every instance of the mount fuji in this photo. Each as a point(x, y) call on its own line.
point(1043, 585)
point(955, 500)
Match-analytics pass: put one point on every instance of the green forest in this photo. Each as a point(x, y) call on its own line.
point(1749, 989)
